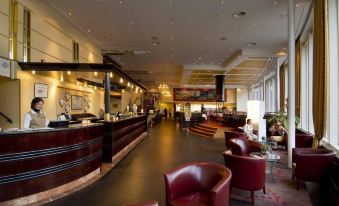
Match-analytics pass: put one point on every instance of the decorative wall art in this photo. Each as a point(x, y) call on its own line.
point(40, 90)
point(77, 102)
point(194, 94)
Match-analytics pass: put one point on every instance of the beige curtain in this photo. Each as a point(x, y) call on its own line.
point(297, 77)
point(282, 85)
point(320, 66)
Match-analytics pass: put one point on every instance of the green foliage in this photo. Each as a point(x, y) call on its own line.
point(266, 148)
point(281, 116)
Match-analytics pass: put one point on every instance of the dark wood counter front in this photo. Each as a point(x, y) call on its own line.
point(119, 134)
point(39, 160)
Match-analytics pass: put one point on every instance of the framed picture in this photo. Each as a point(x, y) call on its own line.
point(77, 102)
point(40, 90)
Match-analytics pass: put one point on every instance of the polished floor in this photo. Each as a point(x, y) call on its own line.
point(139, 176)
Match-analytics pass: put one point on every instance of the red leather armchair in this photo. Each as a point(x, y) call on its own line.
point(233, 134)
point(311, 164)
point(149, 203)
point(248, 173)
point(198, 184)
point(242, 147)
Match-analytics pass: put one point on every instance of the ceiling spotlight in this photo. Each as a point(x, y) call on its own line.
point(33, 72)
point(69, 72)
point(297, 4)
point(275, 2)
point(251, 44)
point(239, 14)
point(171, 37)
point(155, 43)
point(111, 74)
point(95, 73)
point(69, 14)
point(88, 30)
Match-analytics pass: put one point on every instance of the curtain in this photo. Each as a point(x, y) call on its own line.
point(282, 85)
point(320, 66)
point(297, 77)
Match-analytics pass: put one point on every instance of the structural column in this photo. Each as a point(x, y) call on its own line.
point(291, 81)
point(277, 85)
point(107, 87)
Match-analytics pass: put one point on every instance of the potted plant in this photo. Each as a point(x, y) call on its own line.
point(266, 149)
point(281, 117)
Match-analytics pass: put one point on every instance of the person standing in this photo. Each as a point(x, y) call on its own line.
point(165, 113)
point(36, 118)
point(170, 113)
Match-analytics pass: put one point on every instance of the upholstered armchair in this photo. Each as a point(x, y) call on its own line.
point(248, 173)
point(198, 184)
point(311, 164)
point(233, 134)
point(149, 203)
point(243, 147)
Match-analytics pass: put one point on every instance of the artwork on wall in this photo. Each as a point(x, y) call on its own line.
point(40, 90)
point(77, 102)
point(194, 94)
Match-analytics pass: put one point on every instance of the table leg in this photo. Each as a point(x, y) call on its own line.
point(272, 166)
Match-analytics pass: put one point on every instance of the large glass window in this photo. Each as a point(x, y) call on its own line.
point(306, 84)
point(332, 132)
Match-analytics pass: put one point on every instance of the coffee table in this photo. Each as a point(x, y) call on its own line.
point(271, 158)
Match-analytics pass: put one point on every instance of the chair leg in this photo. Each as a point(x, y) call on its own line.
point(297, 184)
point(252, 197)
point(264, 189)
point(292, 175)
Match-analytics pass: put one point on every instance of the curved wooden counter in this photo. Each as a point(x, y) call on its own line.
point(38, 160)
point(119, 134)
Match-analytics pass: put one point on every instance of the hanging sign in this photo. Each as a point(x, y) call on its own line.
point(5, 67)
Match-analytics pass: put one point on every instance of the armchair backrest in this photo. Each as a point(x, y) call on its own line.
point(193, 177)
point(242, 147)
point(233, 134)
point(312, 164)
point(248, 173)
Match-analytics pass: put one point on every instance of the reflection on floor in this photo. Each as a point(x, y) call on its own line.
point(139, 177)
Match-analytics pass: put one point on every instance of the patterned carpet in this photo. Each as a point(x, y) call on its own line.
point(281, 192)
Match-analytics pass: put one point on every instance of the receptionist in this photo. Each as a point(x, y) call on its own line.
point(36, 118)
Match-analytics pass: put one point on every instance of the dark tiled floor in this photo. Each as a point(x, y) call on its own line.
point(139, 176)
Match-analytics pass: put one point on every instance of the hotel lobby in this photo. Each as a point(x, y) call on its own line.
point(190, 103)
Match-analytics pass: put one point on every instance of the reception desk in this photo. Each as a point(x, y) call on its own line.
point(38, 160)
point(120, 135)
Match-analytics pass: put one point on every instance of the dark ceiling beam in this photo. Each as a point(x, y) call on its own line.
point(108, 60)
point(108, 66)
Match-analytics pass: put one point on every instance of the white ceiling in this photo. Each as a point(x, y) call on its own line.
point(189, 31)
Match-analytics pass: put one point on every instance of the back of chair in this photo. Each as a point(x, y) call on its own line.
point(312, 164)
point(242, 147)
point(194, 177)
point(248, 173)
point(233, 134)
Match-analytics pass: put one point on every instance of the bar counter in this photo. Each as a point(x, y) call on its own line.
point(33, 161)
point(119, 135)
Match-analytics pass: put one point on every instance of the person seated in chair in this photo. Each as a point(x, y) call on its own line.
point(248, 129)
point(278, 132)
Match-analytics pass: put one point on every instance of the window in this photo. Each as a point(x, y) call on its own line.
point(306, 84)
point(75, 52)
point(332, 132)
point(270, 100)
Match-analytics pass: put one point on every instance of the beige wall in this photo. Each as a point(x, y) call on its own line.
point(56, 90)
point(4, 31)
point(231, 96)
point(10, 102)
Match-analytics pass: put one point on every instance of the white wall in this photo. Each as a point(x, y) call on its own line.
point(242, 98)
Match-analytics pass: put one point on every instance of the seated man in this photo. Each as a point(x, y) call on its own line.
point(248, 129)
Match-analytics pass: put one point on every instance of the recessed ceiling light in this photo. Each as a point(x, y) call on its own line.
point(223, 38)
point(130, 23)
point(240, 13)
point(171, 37)
point(69, 13)
point(138, 37)
point(251, 44)
point(222, 2)
point(88, 30)
point(154, 38)
point(275, 2)
point(155, 43)
point(297, 4)
point(199, 58)
point(120, 2)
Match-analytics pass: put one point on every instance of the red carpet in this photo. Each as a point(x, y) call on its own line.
point(282, 192)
